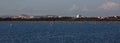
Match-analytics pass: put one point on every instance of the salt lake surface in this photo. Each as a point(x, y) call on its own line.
point(59, 32)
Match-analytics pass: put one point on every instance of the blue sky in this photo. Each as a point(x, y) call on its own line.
point(60, 7)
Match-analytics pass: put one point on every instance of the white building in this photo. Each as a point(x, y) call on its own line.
point(26, 17)
point(78, 16)
point(101, 17)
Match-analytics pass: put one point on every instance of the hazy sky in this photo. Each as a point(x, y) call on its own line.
point(60, 7)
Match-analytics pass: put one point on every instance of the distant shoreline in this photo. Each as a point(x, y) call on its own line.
point(69, 19)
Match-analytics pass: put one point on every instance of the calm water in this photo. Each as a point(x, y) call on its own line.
point(59, 32)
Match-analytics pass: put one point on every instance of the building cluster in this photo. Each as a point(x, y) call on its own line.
point(29, 17)
point(23, 17)
point(99, 17)
point(63, 17)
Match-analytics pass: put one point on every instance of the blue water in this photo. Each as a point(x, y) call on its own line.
point(59, 32)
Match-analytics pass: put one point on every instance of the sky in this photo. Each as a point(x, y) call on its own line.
point(60, 7)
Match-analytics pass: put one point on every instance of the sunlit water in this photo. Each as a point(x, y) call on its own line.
point(59, 32)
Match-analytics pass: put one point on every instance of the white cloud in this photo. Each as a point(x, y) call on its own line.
point(74, 7)
point(110, 5)
point(85, 8)
point(22, 7)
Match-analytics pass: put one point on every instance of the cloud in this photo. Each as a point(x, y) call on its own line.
point(74, 7)
point(22, 7)
point(85, 8)
point(109, 5)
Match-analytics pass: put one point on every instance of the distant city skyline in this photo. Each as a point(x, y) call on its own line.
point(60, 7)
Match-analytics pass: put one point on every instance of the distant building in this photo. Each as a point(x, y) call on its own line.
point(101, 17)
point(60, 16)
point(23, 16)
point(51, 16)
point(78, 16)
